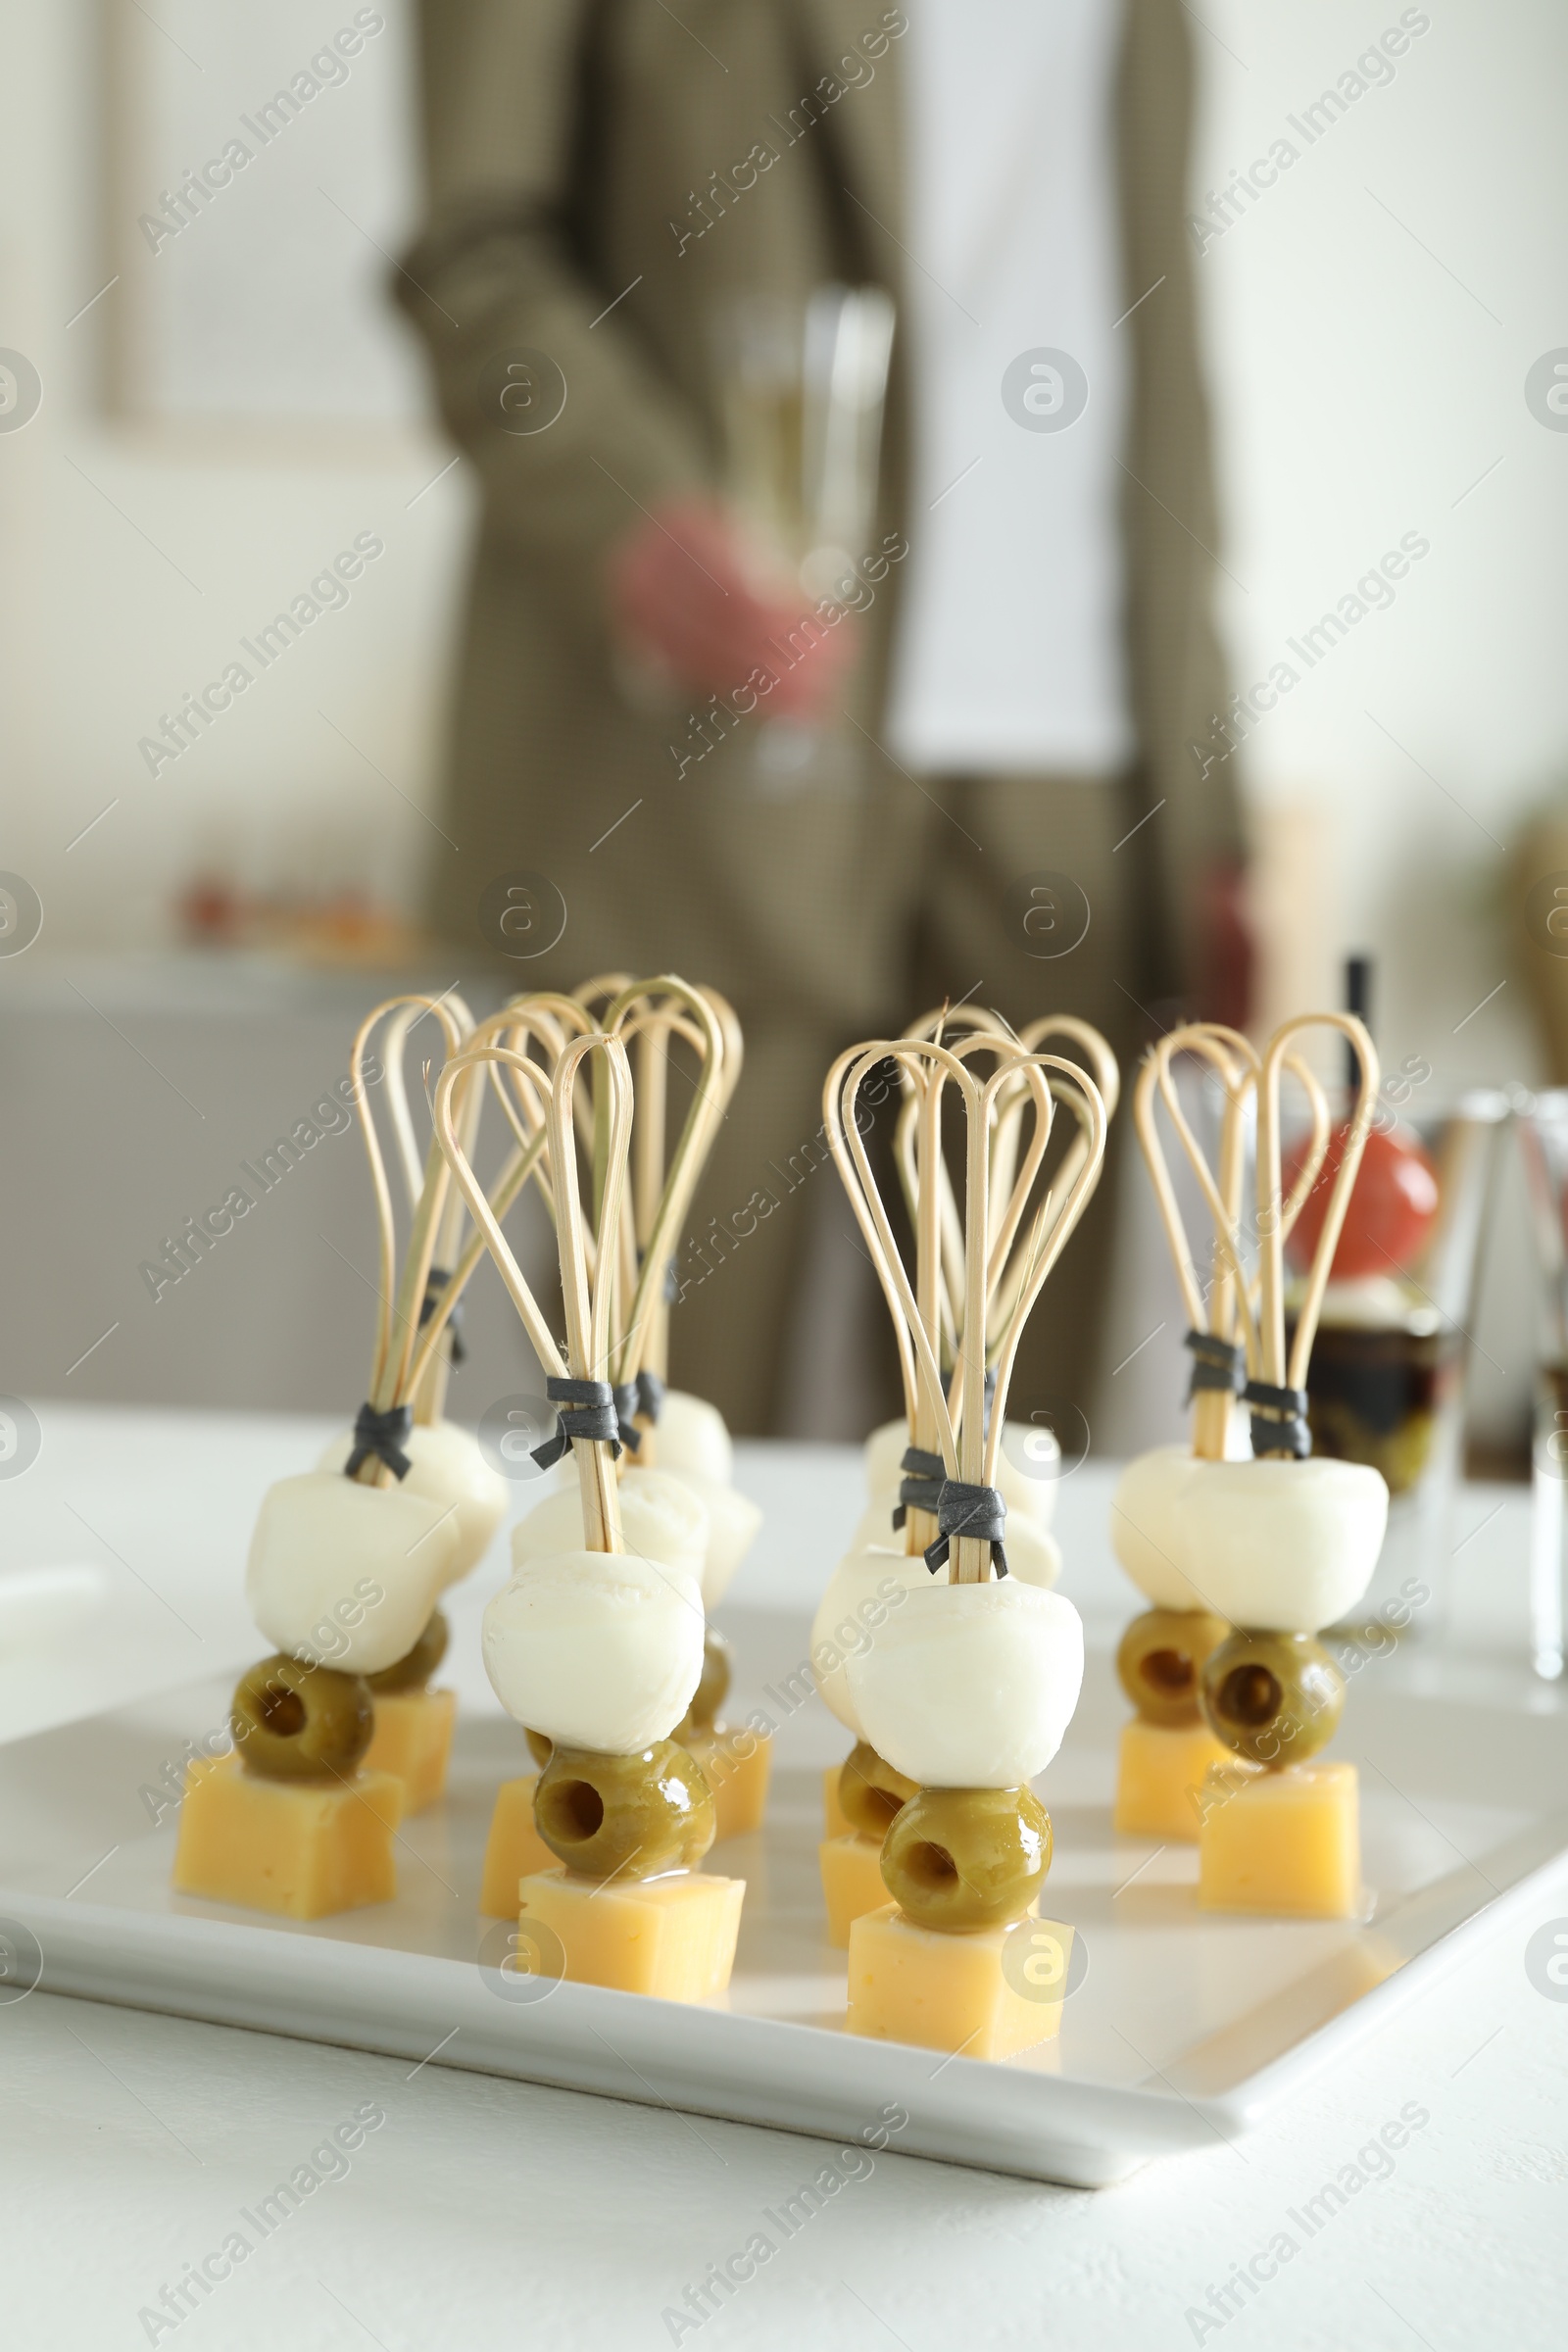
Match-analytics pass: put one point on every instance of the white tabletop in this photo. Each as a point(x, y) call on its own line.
point(483, 2210)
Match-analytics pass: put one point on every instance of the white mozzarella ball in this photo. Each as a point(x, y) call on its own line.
point(448, 1465)
point(1280, 1546)
point(1145, 1529)
point(596, 1648)
point(1033, 1552)
point(971, 1686)
point(1029, 1498)
point(690, 1435)
point(661, 1519)
point(347, 1575)
point(866, 1584)
point(733, 1520)
point(871, 1581)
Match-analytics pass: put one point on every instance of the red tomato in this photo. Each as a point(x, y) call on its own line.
point(1391, 1210)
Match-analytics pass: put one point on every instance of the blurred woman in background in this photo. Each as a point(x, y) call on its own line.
point(1027, 803)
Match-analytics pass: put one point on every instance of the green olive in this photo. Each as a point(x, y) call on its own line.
point(1161, 1657)
point(1275, 1698)
point(539, 1747)
point(711, 1689)
point(296, 1722)
point(962, 1859)
point(627, 1817)
point(870, 1792)
point(412, 1672)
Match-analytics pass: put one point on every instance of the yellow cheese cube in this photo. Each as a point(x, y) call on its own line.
point(836, 1823)
point(672, 1936)
point(1158, 1776)
point(303, 1848)
point(983, 1995)
point(737, 1766)
point(412, 1742)
point(513, 1850)
point(852, 1882)
point(1280, 1841)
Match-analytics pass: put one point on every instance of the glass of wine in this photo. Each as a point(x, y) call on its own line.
point(802, 388)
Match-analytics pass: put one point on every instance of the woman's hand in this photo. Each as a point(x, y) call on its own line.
point(682, 596)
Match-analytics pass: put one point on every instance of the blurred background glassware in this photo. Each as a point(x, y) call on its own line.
point(1543, 1126)
point(803, 389)
point(1386, 1383)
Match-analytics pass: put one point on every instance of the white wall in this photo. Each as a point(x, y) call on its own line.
point(1369, 374)
point(133, 561)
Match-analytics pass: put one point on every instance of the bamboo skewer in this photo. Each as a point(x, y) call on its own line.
point(1008, 1265)
point(424, 1377)
point(954, 1414)
point(587, 1296)
point(1271, 1312)
point(650, 1015)
point(660, 1009)
point(389, 1363)
point(1236, 1065)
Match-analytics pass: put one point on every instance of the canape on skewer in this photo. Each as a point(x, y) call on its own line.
point(1029, 1464)
point(1168, 1749)
point(413, 1723)
point(1284, 1545)
point(346, 1567)
point(678, 1501)
point(860, 1796)
point(965, 1688)
point(596, 1650)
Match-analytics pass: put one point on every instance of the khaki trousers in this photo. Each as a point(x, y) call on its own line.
point(962, 936)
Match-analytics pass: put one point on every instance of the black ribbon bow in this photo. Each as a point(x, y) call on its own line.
point(920, 1489)
point(1278, 1419)
point(588, 1410)
point(642, 1395)
point(435, 1283)
point(381, 1435)
point(962, 1510)
point(1217, 1363)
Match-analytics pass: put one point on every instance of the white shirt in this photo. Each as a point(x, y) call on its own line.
point(1009, 654)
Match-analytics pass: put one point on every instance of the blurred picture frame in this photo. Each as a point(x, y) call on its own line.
point(259, 176)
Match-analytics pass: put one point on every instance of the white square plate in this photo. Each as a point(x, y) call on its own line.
point(1186, 2026)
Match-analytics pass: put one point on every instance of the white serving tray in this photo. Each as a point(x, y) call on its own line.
point(1186, 2026)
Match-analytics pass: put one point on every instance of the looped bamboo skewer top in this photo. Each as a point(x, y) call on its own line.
point(950, 1418)
point(988, 1031)
point(1274, 1368)
point(429, 1391)
point(543, 1019)
point(393, 1377)
point(588, 1299)
point(653, 1012)
point(1231, 1291)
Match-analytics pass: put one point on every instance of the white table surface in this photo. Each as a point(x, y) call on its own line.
point(483, 2211)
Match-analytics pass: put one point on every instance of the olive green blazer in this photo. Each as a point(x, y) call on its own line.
point(601, 174)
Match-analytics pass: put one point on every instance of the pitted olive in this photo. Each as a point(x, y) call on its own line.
point(1275, 1698)
point(293, 1721)
point(960, 1859)
point(1161, 1657)
point(870, 1792)
point(711, 1689)
point(414, 1670)
point(626, 1817)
